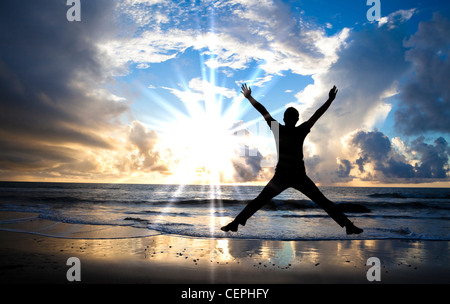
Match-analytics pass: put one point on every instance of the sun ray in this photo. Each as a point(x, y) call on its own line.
point(202, 139)
point(202, 135)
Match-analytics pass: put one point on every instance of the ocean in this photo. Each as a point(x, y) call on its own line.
point(200, 211)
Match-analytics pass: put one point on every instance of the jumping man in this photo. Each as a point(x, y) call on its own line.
point(290, 169)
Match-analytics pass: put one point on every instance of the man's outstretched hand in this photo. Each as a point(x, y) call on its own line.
point(246, 91)
point(333, 93)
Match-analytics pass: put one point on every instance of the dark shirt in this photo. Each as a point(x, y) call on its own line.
point(289, 141)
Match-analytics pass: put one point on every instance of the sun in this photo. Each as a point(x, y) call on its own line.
point(205, 135)
point(203, 144)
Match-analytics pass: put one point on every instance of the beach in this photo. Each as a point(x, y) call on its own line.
point(172, 259)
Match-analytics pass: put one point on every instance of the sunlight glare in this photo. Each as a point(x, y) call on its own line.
point(203, 144)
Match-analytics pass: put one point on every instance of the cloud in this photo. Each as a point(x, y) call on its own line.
point(291, 44)
point(50, 71)
point(272, 37)
point(247, 168)
point(205, 87)
point(425, 97)
point(257, 82)
point(201, 90)
point(146, 141)
point(344, 169)
point(376, 150)
point(366, 74)
point(433, 159)
point(379, 160)
point(396, 18)
point(21, 156)
point(57, 119)
point(150, 47)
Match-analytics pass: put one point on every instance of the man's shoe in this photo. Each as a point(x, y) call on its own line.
point(352, 229)
point(233, 226)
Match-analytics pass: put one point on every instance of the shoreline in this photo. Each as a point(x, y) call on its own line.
point(170, 259)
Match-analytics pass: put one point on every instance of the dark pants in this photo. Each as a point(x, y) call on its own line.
point(283, 180)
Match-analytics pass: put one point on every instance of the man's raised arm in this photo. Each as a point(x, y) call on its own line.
point(247, 92)
point(323, 108)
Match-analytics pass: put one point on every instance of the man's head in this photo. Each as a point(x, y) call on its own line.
point(291, 117)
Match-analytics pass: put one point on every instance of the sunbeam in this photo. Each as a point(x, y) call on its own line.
point(207, 140)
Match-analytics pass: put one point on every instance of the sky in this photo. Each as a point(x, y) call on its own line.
point(148, 91)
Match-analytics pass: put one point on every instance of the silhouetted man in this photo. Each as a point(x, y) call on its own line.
point(290, 169)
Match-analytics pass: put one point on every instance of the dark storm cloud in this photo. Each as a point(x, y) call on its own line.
point(390, 166)
point(19, 156)
point(368, 66)
point(434, 159)
point(344, 169)
point(425, 98)
point(375, 147)
point(366, 72)
point(50, 72)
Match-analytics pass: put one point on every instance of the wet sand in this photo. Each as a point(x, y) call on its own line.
point(170, 259)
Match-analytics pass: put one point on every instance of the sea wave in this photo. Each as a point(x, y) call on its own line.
point(35, 204)
point(399, 233)
point(293, 204)
point(276, 228)
point(406, 195)
point(379, 216)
